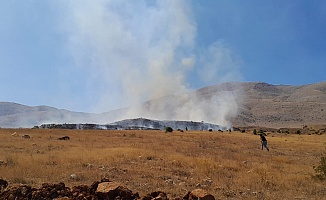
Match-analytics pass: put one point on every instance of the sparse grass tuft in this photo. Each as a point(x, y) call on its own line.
point(10, 161)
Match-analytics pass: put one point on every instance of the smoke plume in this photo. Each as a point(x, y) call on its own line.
point(145, 50)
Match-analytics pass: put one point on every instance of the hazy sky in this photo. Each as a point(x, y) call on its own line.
point(94, 56)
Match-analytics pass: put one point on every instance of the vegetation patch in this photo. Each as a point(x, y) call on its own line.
point(320, 170)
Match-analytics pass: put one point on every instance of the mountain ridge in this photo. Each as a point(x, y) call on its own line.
point(259, 104)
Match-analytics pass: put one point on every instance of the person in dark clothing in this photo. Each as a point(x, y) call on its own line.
point(263, 142)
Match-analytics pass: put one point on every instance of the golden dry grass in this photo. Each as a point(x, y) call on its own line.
point(227, 165)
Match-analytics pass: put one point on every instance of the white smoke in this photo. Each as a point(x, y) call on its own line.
point(218, 63)
point(137, 51)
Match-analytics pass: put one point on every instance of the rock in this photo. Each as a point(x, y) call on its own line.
point(62, 198)
point(114, 190)
point(81, 189)
point(198, 194)
point(3, 184)
point(73, 176)
point(17, 192)
point(25, 190)
point(158, 195)
point(4, 163)
point(105, 179)
point(11, 197)
point(93, 187)
point(186, 196)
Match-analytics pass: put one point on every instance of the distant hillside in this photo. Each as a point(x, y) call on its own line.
point(259, 104)
point(281, 105)
point(15, 115)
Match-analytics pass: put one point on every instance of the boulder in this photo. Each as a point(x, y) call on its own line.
point(198, 194)
point(114, 190)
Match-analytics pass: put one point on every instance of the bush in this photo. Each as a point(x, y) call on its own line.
point(168, 129)
point(255, 132)
point(321, 169)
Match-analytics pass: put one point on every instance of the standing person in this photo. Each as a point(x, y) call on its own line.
point(263, 142)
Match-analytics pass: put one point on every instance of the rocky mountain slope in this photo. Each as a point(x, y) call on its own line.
point(282, 106)
point(258, 104)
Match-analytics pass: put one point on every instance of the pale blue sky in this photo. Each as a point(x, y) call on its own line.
point(94, 56)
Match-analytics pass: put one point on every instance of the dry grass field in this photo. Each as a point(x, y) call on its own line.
point(227, 165)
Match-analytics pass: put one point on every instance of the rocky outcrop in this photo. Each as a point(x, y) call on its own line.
point(102, 190)
point(114, 190)
point(198, 194)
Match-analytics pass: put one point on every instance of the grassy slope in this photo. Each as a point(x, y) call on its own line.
point(225, 164)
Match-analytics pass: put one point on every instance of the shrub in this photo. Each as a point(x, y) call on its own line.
point(321, 169)
point(261, 132)
point(168, 129)
point(255, 132)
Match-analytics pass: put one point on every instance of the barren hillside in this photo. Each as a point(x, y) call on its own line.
point(259, 104)
point(282, 106)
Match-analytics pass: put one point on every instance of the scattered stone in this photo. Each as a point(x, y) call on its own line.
point(73, 176)
point(208, 181)
point(26, 136)
point(99, 190)
point(198, 194)
point(158, 195)
point(18, 192)
point(62, 198)
point(14, 134)
point(229, 193)
point(3, 183)
point(105, 179)
point(64, 138)
point(114, 190)
point(2, 162)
